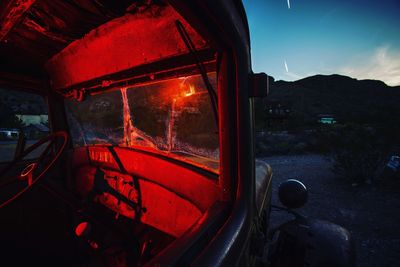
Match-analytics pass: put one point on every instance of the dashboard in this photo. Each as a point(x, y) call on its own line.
point(151, 190)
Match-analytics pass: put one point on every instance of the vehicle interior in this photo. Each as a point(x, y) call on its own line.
point(122, 166)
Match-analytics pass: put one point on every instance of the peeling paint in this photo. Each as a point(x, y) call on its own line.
point(12, 14)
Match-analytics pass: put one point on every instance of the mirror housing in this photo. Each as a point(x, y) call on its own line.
point(293, 194)
point(260, 84)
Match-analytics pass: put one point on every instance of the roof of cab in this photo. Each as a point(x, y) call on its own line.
point(32, 31)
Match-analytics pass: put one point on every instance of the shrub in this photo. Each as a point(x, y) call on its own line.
point(359, 151)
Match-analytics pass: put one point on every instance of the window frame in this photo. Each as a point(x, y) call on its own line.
point(22, 86)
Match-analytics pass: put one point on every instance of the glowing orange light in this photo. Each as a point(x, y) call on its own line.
point(192, 90)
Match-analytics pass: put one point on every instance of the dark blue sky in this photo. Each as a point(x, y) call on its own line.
point(358, 38)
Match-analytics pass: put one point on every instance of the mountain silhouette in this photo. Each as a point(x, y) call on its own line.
point(348, 99)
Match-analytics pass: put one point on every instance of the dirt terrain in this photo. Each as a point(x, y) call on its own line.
point(369, 212)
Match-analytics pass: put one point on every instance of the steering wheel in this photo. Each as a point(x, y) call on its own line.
point(28, 175)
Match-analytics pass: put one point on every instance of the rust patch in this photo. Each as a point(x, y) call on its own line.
point(12, 14)
point(32, 25)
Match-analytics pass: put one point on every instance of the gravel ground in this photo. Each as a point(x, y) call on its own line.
point(370, 212)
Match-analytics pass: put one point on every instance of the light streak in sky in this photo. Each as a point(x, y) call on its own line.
point(286, 67)
point(288, 3)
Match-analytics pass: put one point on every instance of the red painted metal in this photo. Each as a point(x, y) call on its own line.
point(162, 208)
point(12, 14)
point(83, 180)
point(173, 197)
point(167, 211)
point(188, 183)
point(178, 178)
point(82, 229)
point(35, 27)
point(121, 44)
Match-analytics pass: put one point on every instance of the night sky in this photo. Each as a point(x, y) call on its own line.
point(357, 38)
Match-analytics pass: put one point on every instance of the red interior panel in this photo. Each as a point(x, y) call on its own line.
point(201, 190)
point(120, 44)
point(165, 210)
point(162, 209)
point(171, 197)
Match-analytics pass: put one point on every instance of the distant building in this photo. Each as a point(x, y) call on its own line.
point(8, 133)
point(31, 131)
point(278, 113)
point(28, 119)
point(278, 109)
point(326, 119)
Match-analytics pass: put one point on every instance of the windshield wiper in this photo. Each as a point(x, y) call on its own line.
point(192, 49)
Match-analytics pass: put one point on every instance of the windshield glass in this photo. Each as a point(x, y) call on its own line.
point(172, 116)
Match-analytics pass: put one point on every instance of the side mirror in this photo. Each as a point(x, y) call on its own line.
point(293, 194)
point(260, 84)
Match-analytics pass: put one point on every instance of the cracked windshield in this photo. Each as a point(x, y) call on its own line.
point(174, 117)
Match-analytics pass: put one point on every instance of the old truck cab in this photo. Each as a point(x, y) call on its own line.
point(133, 135)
